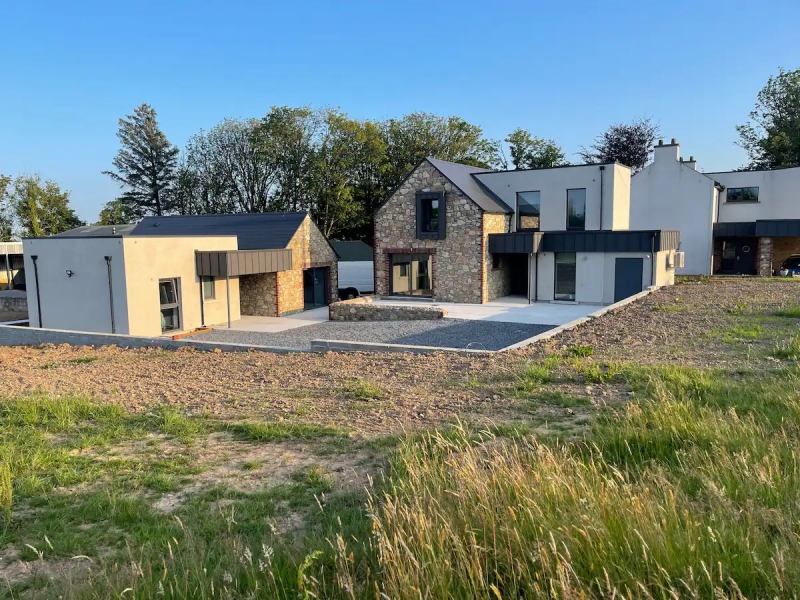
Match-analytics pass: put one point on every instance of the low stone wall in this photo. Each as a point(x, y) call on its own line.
point(362, 309)
point(13, 305)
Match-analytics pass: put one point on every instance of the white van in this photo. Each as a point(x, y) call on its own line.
point(356, 269)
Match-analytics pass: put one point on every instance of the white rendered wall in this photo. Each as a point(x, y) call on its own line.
point(778, 195)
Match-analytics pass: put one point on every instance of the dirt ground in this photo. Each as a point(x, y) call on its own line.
point(686, 324)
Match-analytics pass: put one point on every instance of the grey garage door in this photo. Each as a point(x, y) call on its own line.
point(627, 277)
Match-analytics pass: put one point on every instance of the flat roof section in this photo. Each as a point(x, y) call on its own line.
point(233, 263)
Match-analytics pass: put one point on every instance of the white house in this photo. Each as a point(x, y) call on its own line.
point(733, 222)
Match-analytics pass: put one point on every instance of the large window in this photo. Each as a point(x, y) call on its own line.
point(565, 276)
point(412, 275)
point(576, 209)
point(528, 206)
point(209, 288)
point(743, 194)
point(430, 215)
point(170, 304)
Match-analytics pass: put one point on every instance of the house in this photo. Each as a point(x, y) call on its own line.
point(177, 273)
point(733, 222)
point(459, 233)
point(356, 268)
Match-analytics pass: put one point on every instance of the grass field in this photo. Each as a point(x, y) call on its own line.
point(610, 477)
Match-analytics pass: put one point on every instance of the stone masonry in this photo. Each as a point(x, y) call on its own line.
point(362, 309)
point(459, 260)
point(259, 294)
point(497, 282)
point(764, 257)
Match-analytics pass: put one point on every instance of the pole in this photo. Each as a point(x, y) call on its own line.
point(38, 291)
point(202, 305)
point(228, 297)
point(111, 294)
point(8, 274)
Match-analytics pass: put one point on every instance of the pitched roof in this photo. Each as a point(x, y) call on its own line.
point(353, 251)
point(98, 231)
point(462, 177)
point(256, 231)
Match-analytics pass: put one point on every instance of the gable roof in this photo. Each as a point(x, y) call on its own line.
point(353, 251)
point(97, 231)
point(255, 231)
point(461, 176)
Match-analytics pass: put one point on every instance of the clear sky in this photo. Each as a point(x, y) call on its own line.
point(564, 70)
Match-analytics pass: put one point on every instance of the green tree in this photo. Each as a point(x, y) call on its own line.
point(145, 164)
point(6, 214)
point(117, 212)
point(530, 152)
point(772, 136)
point(628, 143)
point(41, 208)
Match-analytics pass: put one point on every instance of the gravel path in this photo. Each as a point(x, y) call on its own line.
point(445, 333)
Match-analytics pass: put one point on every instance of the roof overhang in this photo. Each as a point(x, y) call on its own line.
point(584, 241)
point(233, 263)
point(759, 228)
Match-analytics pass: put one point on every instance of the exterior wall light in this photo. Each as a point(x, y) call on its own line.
point(70, 272)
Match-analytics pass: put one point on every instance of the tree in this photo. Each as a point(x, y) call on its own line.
point(6, 214)
point(419, 135)
point(628, 143)
point(41, 208)
point(145, 164)
point(117, 212)
point(772, 137)
point(529, 152)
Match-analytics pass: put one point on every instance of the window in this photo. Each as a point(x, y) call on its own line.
point(403, 269)
point(209, 288)
point(170, 304)
point(565, 276)
point(743, 194)
point(411, 275)
point(430, 215)
point(576, 209)
point(528, 205)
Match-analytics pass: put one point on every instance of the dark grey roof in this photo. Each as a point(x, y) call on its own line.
point(462, 177)
point(98, 231)
point(256, 231)
point(353, 251)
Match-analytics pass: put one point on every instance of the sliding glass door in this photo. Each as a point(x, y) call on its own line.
point(411, 275)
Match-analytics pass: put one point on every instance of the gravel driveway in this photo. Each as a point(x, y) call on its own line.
point(445, 333)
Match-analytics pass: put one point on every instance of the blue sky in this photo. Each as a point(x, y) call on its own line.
point(564, 70)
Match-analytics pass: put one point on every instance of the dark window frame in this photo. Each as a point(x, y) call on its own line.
point(176, 286)
point(555, 277)
point(209, 279)
point(573, 228)
point(742, 191)
point(422, 232)
point(519, 214)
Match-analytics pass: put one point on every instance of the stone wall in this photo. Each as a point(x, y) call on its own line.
point(259, 294)
point(764, 257)
point(458, 265)
point(716, 264)
point(362, 309)
point(497, 281)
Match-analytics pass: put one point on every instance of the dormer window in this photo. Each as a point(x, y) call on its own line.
point(430, 215)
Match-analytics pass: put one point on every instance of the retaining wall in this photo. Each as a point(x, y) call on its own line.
point(362, 309)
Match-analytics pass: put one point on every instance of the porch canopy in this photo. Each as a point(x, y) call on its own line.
point(532, 242)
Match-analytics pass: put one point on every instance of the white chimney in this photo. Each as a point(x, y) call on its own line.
point(691, 163)
point(663, 152)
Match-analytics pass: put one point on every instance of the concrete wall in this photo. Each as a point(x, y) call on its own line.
point(13, 305)
point(80, 302)
point(553, 185)
point(148, 259)
point(668, 194)
point(458, 263)
point(778, 196)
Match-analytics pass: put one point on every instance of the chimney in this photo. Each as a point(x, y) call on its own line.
point(666, 152)
point(691, 163)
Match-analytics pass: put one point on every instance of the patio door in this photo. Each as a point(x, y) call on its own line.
point(412, 275)
point(315, 286)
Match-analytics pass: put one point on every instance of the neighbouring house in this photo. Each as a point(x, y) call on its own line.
point(356, 268)
point(459, 233)
point(13, 298)
point(733, 222)
point(176, 273)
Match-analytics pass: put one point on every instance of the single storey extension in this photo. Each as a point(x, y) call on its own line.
point(171, 274)
point(459, 233)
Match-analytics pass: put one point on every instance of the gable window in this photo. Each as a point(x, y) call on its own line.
point(169, 304)
point(743, 194)
point(430, 215)
point(528, 207)
point(209, 288)
point(576, 209)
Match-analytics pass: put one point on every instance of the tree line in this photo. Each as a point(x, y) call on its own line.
point(340, 168)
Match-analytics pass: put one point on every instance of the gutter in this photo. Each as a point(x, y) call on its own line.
point(34, 258)
point(602, 170)
point(110, 294)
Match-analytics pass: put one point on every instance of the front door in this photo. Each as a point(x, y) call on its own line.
point(315, 286)
point(628, 274)
point(739, 256)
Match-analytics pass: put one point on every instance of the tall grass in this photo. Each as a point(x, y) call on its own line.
point(6, 494)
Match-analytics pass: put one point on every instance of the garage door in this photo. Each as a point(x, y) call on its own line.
point(627, 277)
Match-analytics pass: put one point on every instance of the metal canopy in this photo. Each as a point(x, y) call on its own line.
point(522, 242)
point(759, 228)
point(583, 241)
point(233, 263)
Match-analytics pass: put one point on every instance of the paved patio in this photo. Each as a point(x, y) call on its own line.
point(278, 324)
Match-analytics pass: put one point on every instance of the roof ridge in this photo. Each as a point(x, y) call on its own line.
point(245, 214)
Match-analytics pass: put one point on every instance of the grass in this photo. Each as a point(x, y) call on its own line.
point(559, 398)
point(788, 349)
point(790, 311)
point(364, 391)
point(83, 360)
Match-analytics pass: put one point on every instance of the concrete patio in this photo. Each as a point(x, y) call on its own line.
point(278, 324)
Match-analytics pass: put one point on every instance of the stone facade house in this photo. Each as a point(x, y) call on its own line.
point(457, 233)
